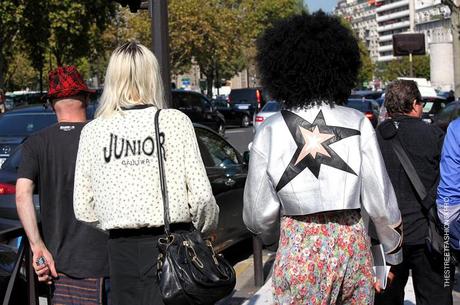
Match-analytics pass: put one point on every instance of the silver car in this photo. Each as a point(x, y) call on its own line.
point(268, 110)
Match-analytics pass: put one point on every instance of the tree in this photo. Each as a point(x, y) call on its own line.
point(10, 19)
point(71, 27)
point(207, 33)
point(366, 72)
point(35, 41)
point(400, 67)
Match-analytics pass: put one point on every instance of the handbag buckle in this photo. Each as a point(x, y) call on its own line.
point(209, 244)
point(192, 254)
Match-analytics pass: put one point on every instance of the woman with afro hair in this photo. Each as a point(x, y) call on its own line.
point(316, 167)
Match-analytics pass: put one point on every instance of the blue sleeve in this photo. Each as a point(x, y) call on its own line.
point(448, 198)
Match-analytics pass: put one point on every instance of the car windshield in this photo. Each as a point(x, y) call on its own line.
point(20, 125)
point(272, 107)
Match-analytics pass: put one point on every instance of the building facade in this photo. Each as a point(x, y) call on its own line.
point(361, 15)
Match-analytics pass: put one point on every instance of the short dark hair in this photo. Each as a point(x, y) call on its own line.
point(400, 96)
point(308, 59)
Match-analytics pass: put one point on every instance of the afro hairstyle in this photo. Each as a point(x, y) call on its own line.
point(308, 59)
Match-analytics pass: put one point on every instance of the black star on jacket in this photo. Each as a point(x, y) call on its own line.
point(313, 150)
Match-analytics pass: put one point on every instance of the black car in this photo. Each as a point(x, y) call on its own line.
point(243, 103)
point(225, 168)
point(16, 125)
point(199, 109)
point(447, 115)
point(432, 106)
point(370, 108)
point(367, 94)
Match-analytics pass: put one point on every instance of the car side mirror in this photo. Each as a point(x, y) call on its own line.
point(246, 157)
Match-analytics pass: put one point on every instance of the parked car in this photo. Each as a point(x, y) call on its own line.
point(367, 94)
point(16, 125)
point(370, 108)
point(432, 106)
point(267, 111)
point(23, 98)
point(225, 168)
point(244, 103)
point(447, 115)
point(233, 116)
point(199, 109)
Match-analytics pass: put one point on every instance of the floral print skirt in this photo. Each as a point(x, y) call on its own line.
point(323, 258)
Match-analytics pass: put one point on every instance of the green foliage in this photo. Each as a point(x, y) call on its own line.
point(391, 70)
point(21, 75)
point(366, 72)
point(10, 19)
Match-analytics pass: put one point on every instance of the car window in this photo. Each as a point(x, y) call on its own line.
point(247, 95)
point(433, 107)
point(205, 103)
point(25, 124)
point(271, 107)
point(181, 100)
point(195, 100)
point(217, 152)
point(358, 104)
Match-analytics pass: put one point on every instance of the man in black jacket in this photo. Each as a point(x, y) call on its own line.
point(422, 144)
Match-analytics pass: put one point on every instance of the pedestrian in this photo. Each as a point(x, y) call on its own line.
point(448, 199)
point(72, 256)
point(117, 182)
point(422, 143)
point(315, 165)
point(2, 101)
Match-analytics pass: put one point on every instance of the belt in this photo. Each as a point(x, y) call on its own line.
point(149, 231)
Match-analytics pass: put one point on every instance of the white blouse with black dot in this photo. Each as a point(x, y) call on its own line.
point(117, 181)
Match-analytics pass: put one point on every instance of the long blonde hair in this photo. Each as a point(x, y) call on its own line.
point(132, 78)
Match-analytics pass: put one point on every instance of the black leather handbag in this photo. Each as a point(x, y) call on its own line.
point(188, 269)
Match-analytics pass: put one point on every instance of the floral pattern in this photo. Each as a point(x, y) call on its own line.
point(323, 258)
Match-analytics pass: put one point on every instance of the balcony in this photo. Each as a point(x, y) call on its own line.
point(385, 48)
point(391, 6)
point(393, 16)
point(394, 26)
point(385, 38)
point(386, 58)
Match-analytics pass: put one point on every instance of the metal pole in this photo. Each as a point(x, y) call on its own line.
point(411, 65)
point(258, 263)
point(160, 42)
point(412, 16)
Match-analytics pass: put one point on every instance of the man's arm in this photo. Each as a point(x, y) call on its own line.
point(26, 212)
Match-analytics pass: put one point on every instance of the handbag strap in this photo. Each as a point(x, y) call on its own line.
point(409, 168)
point(164, 190)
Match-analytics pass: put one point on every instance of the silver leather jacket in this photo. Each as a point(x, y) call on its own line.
point(316, 160)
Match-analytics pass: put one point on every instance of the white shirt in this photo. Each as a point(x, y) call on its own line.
point(117, 179)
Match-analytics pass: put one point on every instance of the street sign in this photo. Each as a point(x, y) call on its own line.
point(410, 43)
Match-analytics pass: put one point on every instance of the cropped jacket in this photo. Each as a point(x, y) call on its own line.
point(315, 160)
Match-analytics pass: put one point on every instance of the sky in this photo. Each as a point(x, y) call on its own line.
point(325, 5)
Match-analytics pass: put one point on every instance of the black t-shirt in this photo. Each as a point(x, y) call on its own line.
point(49, 157)
point(423, 144)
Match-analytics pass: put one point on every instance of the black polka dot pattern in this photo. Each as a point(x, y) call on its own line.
point(124, 192)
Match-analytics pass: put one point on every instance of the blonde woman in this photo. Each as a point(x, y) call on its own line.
point(117, 179)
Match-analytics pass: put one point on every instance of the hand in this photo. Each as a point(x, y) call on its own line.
point(47, 271)
point(378, 286)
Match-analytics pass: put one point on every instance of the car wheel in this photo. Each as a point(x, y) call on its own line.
point(221, 129)
point(245, 121)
